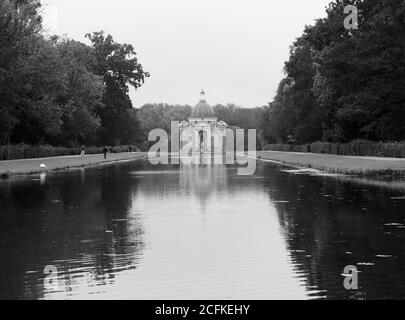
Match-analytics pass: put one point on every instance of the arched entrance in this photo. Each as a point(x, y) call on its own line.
point(201, 138)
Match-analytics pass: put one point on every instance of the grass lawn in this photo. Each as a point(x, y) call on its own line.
point(339, 164)
point(32, 166)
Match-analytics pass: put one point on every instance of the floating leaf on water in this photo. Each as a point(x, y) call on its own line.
point(281, 201)
point(365, 264)
point(395, 224)
point(86, 241)
point(397, 198)
point(384, 256)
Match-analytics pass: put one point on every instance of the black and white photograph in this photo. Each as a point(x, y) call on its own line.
point(202, 155)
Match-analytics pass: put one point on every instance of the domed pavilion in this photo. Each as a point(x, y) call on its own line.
point(203, 129)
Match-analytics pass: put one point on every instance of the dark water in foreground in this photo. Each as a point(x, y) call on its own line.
point(137, 231)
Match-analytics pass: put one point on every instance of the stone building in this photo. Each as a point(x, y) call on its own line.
point(203, 130)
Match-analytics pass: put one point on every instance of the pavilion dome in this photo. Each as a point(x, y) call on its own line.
point(202, 109)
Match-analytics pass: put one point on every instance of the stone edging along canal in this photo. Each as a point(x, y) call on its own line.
point(32, 166)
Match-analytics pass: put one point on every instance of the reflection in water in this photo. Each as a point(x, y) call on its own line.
point(139, 231)
point(330, 223)
point(73, 223)
point(203, 180)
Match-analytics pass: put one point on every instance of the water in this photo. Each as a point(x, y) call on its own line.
point(136, 231)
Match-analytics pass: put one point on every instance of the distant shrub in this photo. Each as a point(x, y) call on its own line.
point(23, 151)
point(325, 147)
point(287, 147)
point(354, 148)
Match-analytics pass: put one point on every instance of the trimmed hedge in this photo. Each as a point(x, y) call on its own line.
point(287, 148)
point(354, 148)
point(23, 151)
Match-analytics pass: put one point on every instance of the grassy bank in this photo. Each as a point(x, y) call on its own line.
point(32, 166)
point(349, 165)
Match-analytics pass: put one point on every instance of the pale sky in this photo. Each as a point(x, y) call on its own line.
point(234, 49)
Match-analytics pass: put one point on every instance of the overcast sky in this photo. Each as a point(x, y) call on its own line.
point(234, 49)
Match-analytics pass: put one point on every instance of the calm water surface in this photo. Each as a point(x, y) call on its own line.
point(137, 231)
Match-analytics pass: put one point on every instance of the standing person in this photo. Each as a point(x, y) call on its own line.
point(105, 152)
point(83, 151)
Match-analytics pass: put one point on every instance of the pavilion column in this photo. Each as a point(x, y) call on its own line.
point(208, 143)
point(196, 141)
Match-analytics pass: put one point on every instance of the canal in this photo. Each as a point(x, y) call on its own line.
point(137, 231)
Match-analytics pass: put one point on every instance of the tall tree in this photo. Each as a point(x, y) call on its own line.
point(83, 93)
point(118, 66)
point(20, 23)
point(294, 115)
point(39, 83)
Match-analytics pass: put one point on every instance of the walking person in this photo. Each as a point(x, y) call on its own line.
point(105, 152)
point(83, 151)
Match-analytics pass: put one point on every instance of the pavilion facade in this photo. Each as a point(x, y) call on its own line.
point(203, 133)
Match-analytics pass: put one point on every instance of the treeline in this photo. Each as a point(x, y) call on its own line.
point(342, 85)
point(237, 116)
point(62, 92)
point(160, 115)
